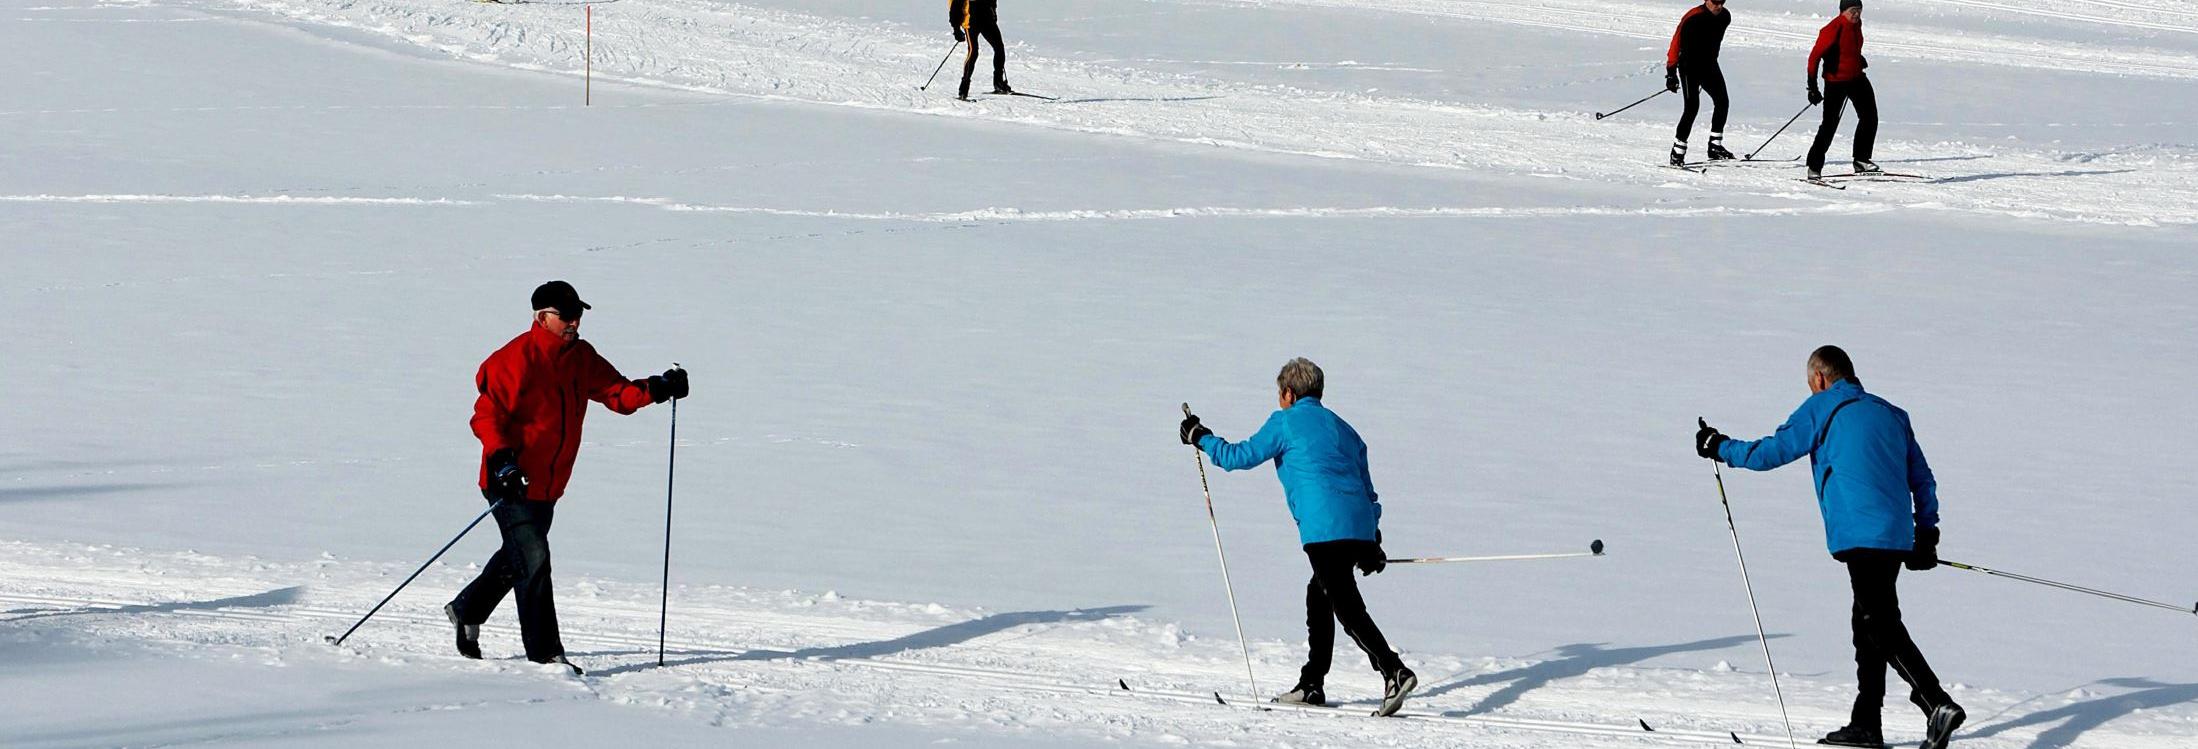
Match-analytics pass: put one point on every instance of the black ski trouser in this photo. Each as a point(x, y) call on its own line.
point(1836, 97)
point(1333, 597)
point(1707, 79)
point(991, 34)
point(1881, 639)
point(522, 568)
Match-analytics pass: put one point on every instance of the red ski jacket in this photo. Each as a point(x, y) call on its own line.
point(534, 394)
point(1839, 46)
point(1699, 36)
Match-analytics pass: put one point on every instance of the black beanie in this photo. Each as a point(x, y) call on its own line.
point(1845, 4)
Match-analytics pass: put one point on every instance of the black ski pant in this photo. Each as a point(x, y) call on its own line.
point(1333, 597)
point(522, 568)
point(1695, 82)
point(1836, 97)
point(1881, 640)
point(991, 34)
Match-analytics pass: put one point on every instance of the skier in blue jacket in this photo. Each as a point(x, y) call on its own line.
point(1881, 510)
point(1322, 464)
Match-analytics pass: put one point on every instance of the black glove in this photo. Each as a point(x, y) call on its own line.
point(1671, 79)
point(1375, 560)
point(505, 480)
point(1191, 431)
point(1815, 97)
point(1707, 440)
point(1926, 554)
point(958, 34)
point(671, 384)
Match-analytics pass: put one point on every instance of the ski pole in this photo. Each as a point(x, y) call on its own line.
point(415, 574)
point(1224, 555)
point(1759, 634)
point(1781, 130)
point(1594, 550)
point(2068, 587)
point(942, 66)
point(664, 604)
point(1659, 92)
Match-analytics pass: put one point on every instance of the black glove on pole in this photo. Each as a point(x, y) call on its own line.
point(1707, 440)
point(505, 480)
point(1190, 431)
point(1671, 80)
point(670, 385)
point(1926, 554)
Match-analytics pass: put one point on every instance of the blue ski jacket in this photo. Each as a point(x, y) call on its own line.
point(1322, 464)
point(1872, 484)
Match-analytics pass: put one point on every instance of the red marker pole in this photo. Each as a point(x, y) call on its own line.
point(587, 86)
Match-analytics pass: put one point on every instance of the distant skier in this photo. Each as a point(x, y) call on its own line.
point(534, 393)
point(1322, 465)
point(1692, 63)
point(1881, 510)
point(979, 18)
point(1839, 49)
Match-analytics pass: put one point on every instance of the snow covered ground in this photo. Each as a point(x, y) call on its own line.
point(928, 486)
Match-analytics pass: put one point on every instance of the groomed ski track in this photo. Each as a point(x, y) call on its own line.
point(748, 51)
point(738, 657)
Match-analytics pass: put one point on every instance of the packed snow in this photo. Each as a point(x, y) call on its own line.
point(928, 486)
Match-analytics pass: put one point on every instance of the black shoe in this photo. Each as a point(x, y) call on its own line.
point(469, 635)
point(1678, 156)
point(1303, 695)
point(1000, 87)
point(560, 660)
point(1870, 738)
point(1944, 719)
point(1863, 166)
point(1717, 152)
point(1396, 687)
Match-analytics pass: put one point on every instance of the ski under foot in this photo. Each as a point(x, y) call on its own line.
point(1819, 182)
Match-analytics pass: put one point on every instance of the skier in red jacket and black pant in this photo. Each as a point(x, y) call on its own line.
point(534, 394)
point(1839, 49)
point(1692, 62)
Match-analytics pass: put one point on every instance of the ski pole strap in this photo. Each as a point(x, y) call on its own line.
point(2193, 610)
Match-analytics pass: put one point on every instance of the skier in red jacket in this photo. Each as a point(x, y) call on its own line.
point(1692, 62)
point(1839, 49)
point(534, 394)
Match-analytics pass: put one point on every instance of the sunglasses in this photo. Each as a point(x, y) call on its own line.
point(568, 315)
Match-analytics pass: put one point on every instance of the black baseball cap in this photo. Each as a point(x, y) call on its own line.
point(560, 296)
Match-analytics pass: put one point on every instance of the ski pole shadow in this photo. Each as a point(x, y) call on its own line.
point(2006, 175)
point(1571, 661)
point(269, 599)
point(2082, 717)
point(1159, 99)
point(937, 637)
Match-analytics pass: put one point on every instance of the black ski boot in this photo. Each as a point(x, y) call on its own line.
point(1000, 87)
point(1679, 154)
point(560, 660)
point(1396, 687)
point(1868, 738)
point(1717, 152)
point(1864, 166)
point(1944, 719)
point(469, 635)
point(1303, 695)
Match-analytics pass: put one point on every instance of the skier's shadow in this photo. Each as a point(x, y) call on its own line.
point(2006, 175)
point(1571, 661)
point(2080, 718)
point(269, 599)
point(938, 637)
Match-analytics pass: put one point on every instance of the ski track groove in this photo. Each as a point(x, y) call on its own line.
point(786, 646)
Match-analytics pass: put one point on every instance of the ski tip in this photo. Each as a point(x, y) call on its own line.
point(1123, 684)
point(1217, 699)
point(1644, 725)
point(1596, 548)
point(1736, 737)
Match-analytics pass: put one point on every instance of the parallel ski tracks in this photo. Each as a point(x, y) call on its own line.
point(302, 620)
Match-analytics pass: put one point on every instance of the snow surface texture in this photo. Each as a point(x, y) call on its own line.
point(928, 485)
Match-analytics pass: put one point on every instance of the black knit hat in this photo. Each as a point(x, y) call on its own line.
point(1845, 4)
point(560, 296)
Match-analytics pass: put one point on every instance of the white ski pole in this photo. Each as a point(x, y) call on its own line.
point(1593, 550)
point(1224, 555)
point(1759, 634)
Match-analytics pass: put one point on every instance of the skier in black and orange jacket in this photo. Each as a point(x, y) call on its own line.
point(1839, 49)
point(979, 18)
point(1692, 64)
